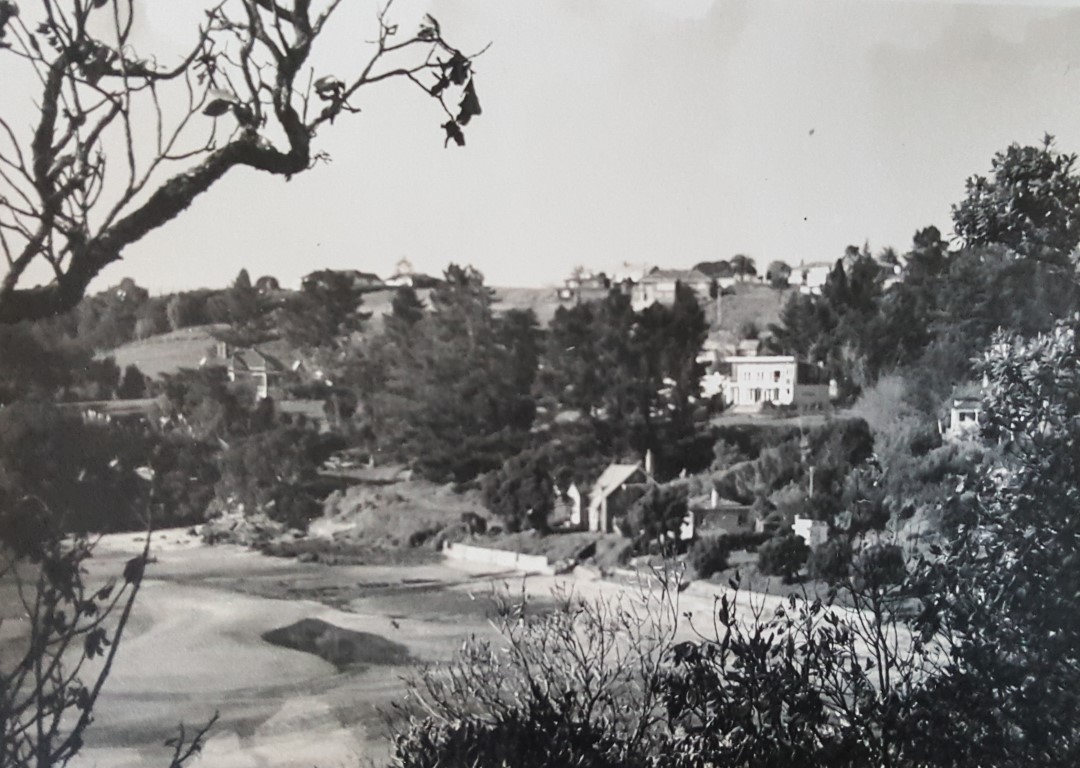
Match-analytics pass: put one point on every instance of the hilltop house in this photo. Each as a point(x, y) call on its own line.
point(811, 276)
point(584, 285)
point(256, 369)
point(659, 286)
point(777, 379)
point(618, 486)
point(361, 281)
point(404, 274)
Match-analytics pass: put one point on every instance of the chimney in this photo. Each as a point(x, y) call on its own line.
point(648, 462)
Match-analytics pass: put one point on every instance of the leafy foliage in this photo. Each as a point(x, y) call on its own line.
point(633, 375)
point(323, 312)
point(579, 685)
point(84, 474)
point(783, 556)
point(448, 390)
point(522, 491)
point(1030, 203)
point(1006, 590)
point(708, 555)
point(657, 515)
point(269, 472)
point(831, 560)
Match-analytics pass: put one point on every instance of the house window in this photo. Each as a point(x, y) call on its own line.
point(776, 375)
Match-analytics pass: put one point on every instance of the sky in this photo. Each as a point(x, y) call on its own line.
point(646, 131)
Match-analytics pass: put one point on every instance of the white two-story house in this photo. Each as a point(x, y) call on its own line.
point(777, 379)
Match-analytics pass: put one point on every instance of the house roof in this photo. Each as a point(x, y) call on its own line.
point(762, 360)
point(614, 476)
point(967, 402)
point(253, 359)
point(682, 275)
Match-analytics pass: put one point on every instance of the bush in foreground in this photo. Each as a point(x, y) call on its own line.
point(605, 683)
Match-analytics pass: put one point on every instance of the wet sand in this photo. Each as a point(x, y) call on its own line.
point(196, 645)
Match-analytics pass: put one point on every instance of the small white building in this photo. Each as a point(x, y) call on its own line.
point(813, 532)
point(966, 418)
point(571, 499)
point(777, 379)
point(811, 276)
point(610, 497)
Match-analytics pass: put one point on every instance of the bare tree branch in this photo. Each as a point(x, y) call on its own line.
point(248, 70)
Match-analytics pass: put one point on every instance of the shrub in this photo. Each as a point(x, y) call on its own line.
point(476, 525)
point(748, 540)
point(522, 491)
point(708, 555)
point(879, 566)
point(269, 472)
point(830, 561)
point(783, 556)
point(656, 516)
point(422, 536)
point(553, 691)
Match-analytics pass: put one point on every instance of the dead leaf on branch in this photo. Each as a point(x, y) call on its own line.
point(453, 133)
point(470, 105)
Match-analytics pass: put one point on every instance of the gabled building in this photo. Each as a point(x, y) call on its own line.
point(257, 370)
point(584, 285)
point(618, 486)
point(714, 515)
point(405, 275)
point(659, 286)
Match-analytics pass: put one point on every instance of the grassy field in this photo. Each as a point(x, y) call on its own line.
point(167, 352)
point(751, 302)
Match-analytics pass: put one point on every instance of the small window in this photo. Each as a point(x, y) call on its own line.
point(776, 375)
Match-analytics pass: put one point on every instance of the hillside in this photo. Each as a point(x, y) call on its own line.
point(168, 352)
point(751, 302)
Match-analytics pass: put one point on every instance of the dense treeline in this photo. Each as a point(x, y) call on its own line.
point(964, 652)
point(463, 391)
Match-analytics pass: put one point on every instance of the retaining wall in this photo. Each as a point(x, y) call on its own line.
point(499, 557)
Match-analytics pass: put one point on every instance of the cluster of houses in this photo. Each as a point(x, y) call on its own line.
point(646, 285)
point(620, 485)
point(403, 275)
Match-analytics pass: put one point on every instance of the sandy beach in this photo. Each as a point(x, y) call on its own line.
point(195, 646)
